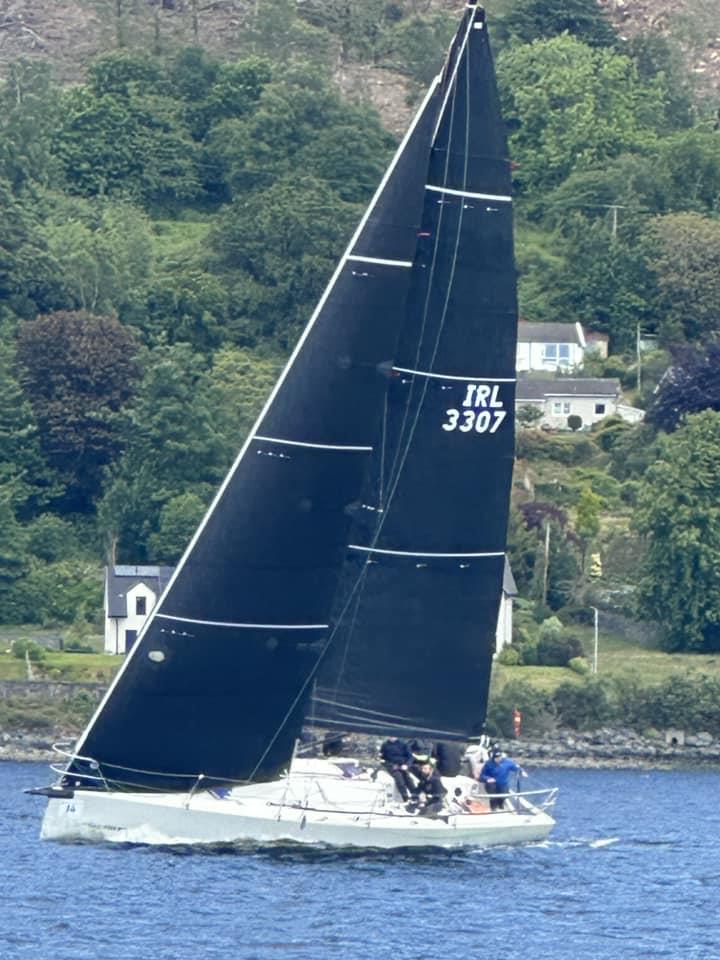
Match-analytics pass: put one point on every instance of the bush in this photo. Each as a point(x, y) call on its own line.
point(579, 665)
point(574, 421)
point(509, 657)
point(34, 652)
point(536, 710)
point(583, 706)
point(555, 648)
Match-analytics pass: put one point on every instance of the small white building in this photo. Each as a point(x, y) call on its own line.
point(591, 399)
point(550, 346)
point(503, 635)
point(130, 594)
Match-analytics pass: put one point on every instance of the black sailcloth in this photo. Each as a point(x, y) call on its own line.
point(218, 682)
point(414, 626)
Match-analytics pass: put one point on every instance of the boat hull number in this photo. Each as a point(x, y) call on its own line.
point(482, 410)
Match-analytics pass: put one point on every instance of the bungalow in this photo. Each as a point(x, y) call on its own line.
point(591, 399)
point(130, 595)
point(550, 346)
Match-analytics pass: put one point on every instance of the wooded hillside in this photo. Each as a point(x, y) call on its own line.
point(176, 182)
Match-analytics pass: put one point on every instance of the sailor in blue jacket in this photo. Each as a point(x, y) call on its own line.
point(496, 773)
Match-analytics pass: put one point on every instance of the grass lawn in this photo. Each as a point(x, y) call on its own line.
point(616, 657)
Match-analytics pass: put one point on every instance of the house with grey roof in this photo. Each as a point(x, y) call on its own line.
point(130, 594)
point(590, 398)
point(550, 347)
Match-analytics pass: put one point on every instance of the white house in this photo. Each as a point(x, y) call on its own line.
point(591, 399)
point(503, 635)
point(550, 346)
point(130, 594)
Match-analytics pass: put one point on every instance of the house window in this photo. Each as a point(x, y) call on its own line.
point(141, 606)
point(560, 407)
point(557, 353)
point(599, 408)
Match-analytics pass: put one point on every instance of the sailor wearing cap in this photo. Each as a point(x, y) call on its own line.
point(496, 773)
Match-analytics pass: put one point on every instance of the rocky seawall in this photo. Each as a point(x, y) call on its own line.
point(595, 749)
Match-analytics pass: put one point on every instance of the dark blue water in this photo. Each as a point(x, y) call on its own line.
point(632, 871)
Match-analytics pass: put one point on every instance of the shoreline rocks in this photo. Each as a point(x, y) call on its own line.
point(597, 749)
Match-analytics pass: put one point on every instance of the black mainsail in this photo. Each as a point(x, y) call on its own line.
point(415, 623)
point(359, 536)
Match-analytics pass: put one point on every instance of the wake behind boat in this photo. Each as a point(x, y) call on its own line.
point(349, 571)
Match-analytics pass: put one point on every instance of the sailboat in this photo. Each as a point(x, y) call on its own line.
point(348, 573)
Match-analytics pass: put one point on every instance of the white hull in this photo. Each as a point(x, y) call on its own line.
point(320, 808)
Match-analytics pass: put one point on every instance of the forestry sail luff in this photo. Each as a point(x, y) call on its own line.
point(218, 681)
point(417, 614)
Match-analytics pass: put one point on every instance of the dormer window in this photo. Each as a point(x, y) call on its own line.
point(140, 606)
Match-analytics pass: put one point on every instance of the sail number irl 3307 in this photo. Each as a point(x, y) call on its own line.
point(482, 410)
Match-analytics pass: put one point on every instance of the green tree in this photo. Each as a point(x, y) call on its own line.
point(572, 107)
point(587, 518)
point(281, 244)
point(239, 383)
point(13, 561)
point(686, 263)
point(78, 372)
point(28, 114)
point(678, 514)
point(24, 478)
point(178, 520)
point(523, 21)
point(104, 253)
point(26, 273)
point(172, 447)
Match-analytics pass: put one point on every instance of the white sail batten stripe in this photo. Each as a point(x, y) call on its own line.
point(467, 193)
point(448, 376)
point(410, 553)
point(314, 446)
point(385, 263)
point(268, 404)
point(246, 626)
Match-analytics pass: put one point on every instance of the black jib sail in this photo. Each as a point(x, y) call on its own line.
point(374, 484)
point(416, 617)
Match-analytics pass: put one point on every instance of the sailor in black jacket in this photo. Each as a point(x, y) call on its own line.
point(429, 790)
point(396, 758)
